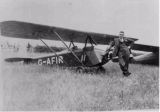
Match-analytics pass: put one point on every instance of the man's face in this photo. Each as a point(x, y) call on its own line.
point(121, 35)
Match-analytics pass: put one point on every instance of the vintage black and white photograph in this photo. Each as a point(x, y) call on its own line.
point(79, 55)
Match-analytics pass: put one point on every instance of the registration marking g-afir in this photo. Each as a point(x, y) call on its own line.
point(51, 60)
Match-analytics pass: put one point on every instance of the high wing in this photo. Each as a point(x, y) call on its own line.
point(33, 31)
point(147, 48)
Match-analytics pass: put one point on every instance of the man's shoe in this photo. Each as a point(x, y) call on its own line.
point(127, 74)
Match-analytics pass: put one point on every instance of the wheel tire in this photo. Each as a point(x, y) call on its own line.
point(79, 70)
point(100, 70)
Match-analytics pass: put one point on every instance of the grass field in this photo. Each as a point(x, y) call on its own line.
point(33, 87)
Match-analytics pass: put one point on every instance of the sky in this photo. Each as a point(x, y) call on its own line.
point(137, 18)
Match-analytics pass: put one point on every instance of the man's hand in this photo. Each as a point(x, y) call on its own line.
point(129, 47)
point(131, 58)
point(131, 55)
point(107, 50)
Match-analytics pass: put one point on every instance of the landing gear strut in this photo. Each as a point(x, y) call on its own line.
point(100, 70)
point(79, 69)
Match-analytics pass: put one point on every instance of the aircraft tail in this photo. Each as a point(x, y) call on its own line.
point(17, 59)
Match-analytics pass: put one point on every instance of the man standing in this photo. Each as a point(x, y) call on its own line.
point(122, 50)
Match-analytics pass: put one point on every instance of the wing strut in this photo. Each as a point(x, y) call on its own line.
point(47, 46)
point(50, 49)
point(89, 38)
point(69, 48)
point(71, 43)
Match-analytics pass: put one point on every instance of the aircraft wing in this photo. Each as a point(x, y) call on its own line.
point(35, 31)
point(147, 48)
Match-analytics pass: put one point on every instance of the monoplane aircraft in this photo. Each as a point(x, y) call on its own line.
point(89, 56)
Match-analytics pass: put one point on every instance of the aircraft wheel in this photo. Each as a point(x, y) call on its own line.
point(79, 70)
point(100, 70)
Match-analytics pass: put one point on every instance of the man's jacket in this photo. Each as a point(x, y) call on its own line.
point(121, 47)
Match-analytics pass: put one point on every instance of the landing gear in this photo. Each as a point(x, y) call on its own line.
point(95, 70)
point(79, 69)
point(100, 70)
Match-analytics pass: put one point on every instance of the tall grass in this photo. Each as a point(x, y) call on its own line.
point(32, 87)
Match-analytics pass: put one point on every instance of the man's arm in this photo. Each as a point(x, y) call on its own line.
point(111, 45)
point(129, 42)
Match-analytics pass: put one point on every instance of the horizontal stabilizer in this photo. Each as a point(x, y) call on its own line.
point(17, 59)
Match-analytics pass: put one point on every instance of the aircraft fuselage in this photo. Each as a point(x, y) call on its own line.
point(88, 57)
